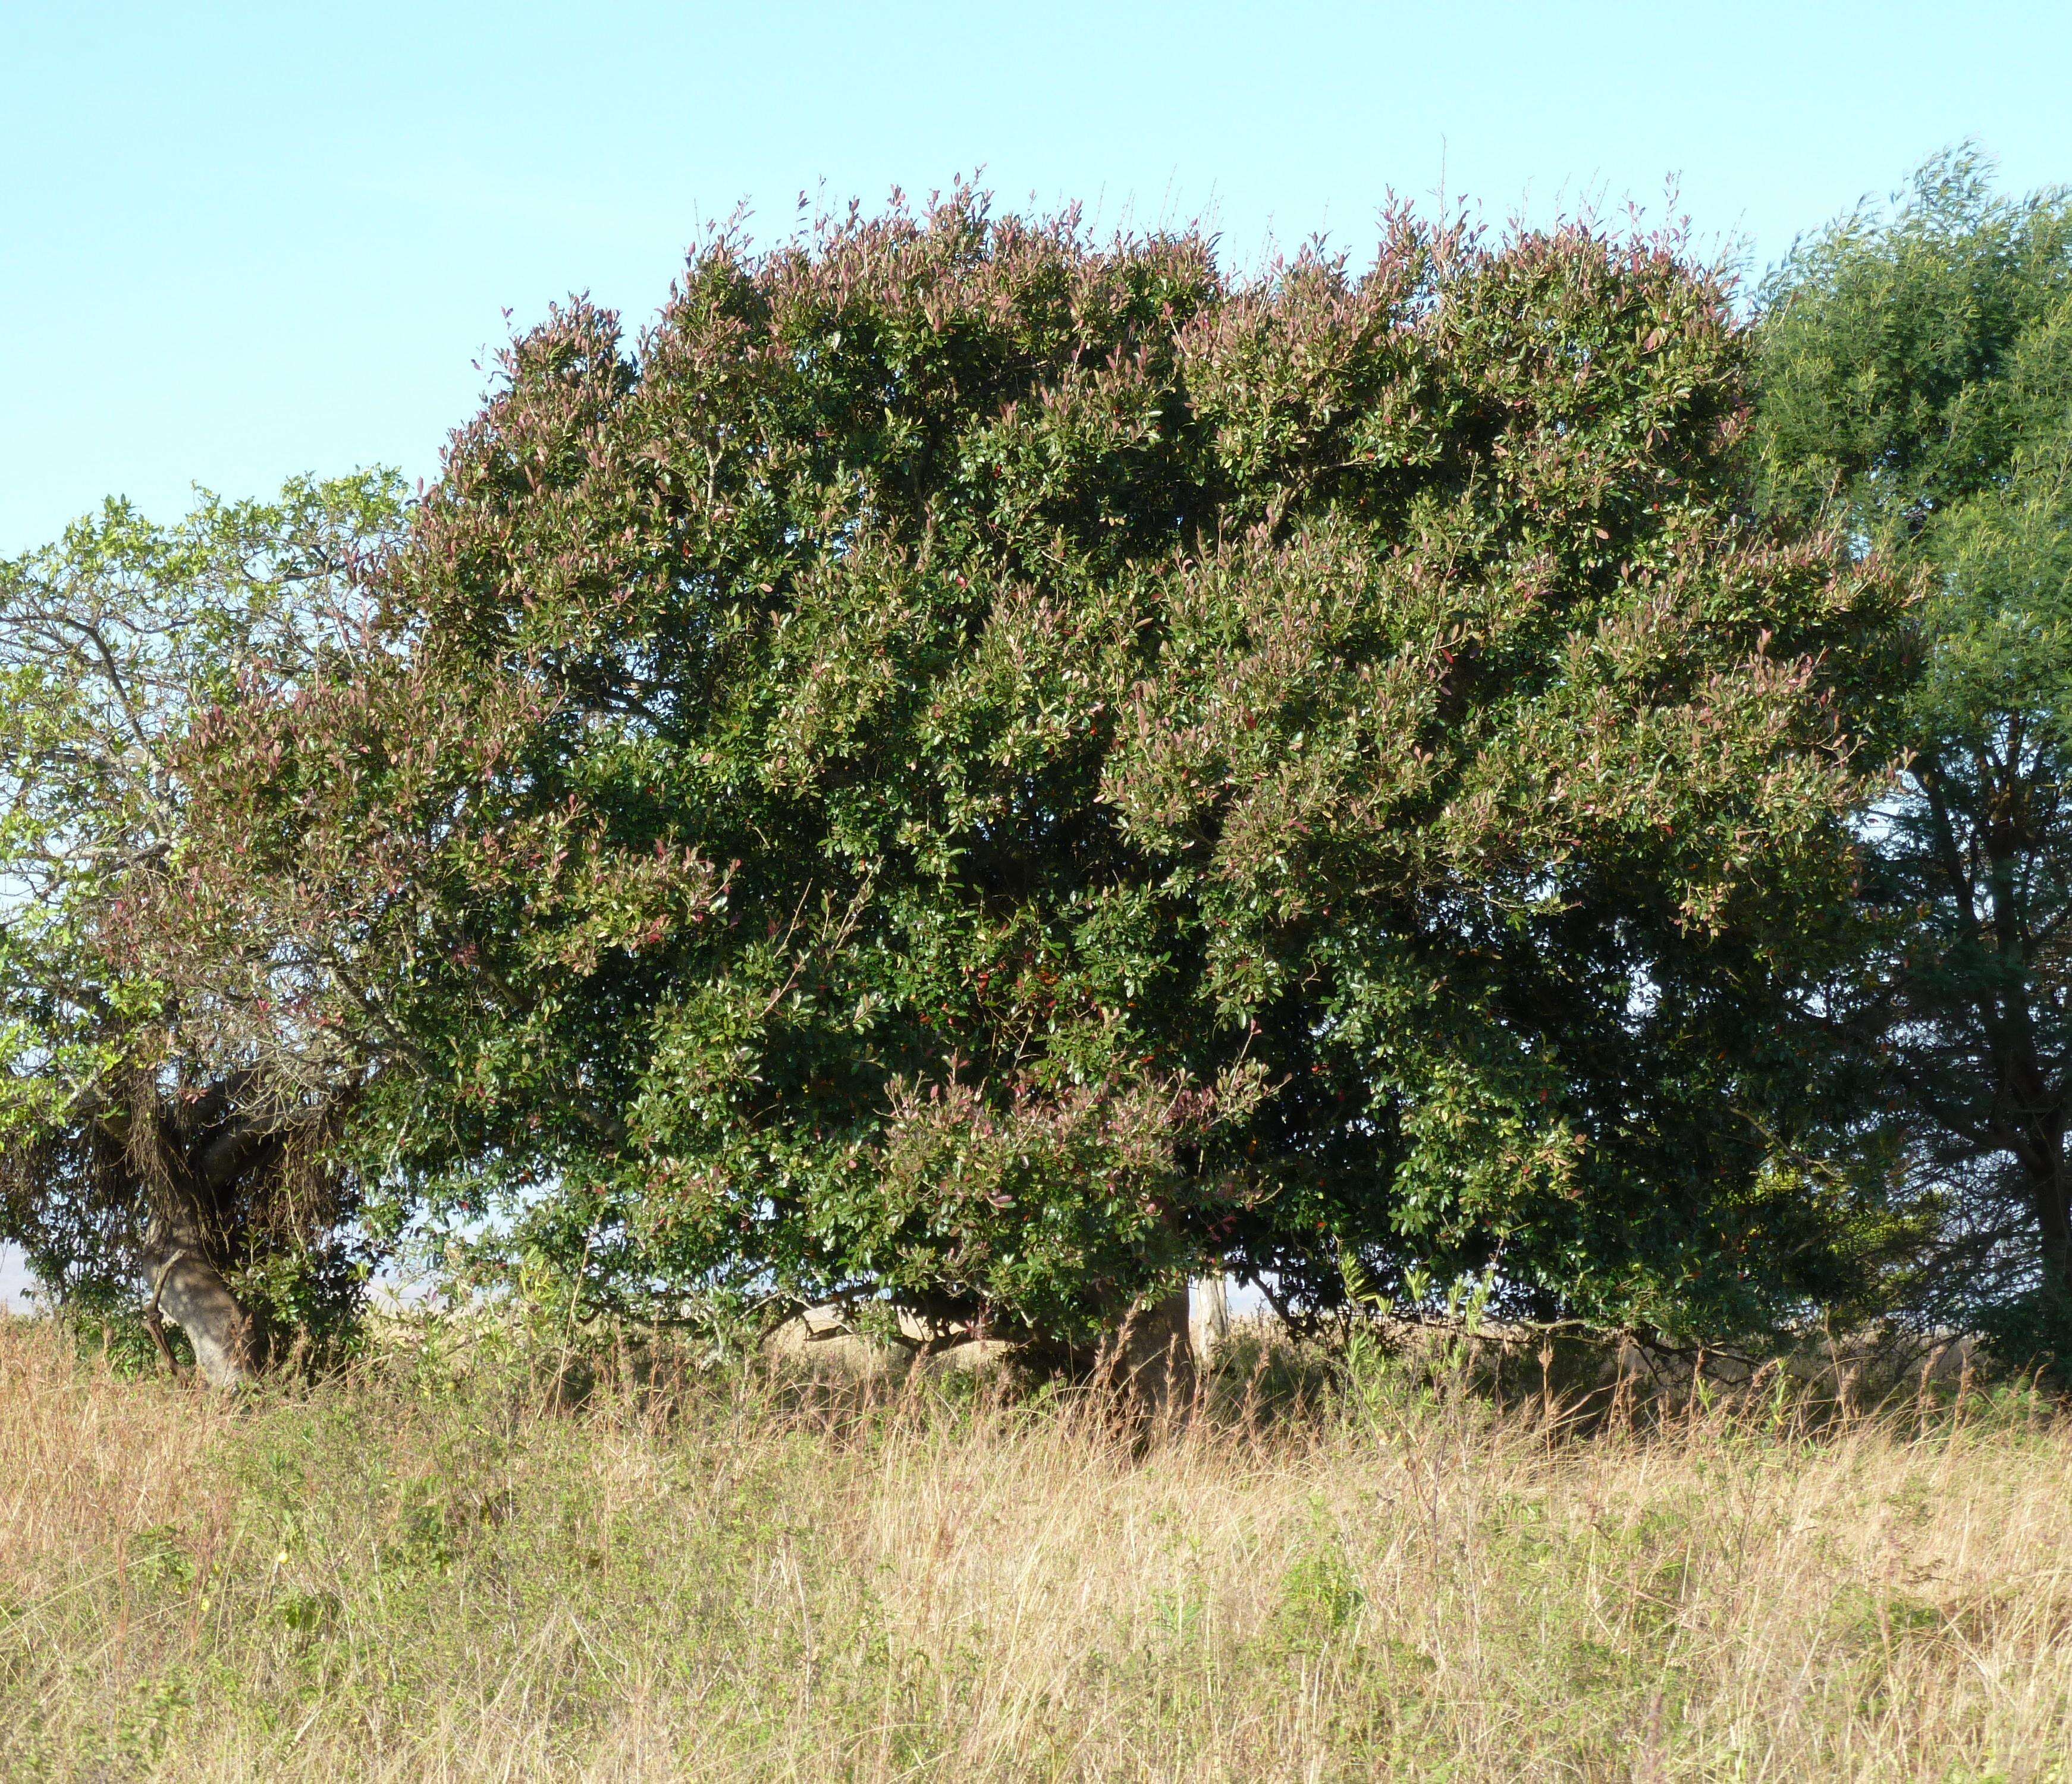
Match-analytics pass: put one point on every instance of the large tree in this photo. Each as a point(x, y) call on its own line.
point(1916, 375)
point(1322, 775)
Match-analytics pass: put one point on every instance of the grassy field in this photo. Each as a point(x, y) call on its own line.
point(414, 1572)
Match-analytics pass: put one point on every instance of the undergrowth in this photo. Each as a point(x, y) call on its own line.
point(456, 1562)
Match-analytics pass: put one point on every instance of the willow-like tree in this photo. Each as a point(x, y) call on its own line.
point(1915, 373)
point(195, 1017)
point(1320, 776)
point(165, 1136)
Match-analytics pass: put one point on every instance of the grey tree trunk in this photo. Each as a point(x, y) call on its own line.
point(191, 1292)
point(180, 1250)
point(1208, 1316)
point(1155, 1365)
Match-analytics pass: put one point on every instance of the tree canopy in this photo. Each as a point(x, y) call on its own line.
point(1916, 382)
point(975, 767)
point(1322, 774)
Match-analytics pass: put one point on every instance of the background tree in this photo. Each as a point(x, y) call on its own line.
point(168, 1133)
point(1915, 373)
point(261, 871)
point(1320, 776)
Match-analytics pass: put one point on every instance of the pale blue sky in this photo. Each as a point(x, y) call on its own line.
point(242, 241)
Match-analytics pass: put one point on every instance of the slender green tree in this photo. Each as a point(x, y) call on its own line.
point(1916, 379)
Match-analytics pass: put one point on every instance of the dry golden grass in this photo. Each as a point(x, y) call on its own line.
point(410, 1576)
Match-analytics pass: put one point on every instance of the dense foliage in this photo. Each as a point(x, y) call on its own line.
point(1915, 373)
point(1323, 774)
point(978, 768)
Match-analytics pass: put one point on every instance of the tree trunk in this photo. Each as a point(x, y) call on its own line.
point(1157, 1363)
point(180, 1249)
point(1208, 1316)
point(2047, 1194)
point(2037, 1140)
point(191, 1292)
